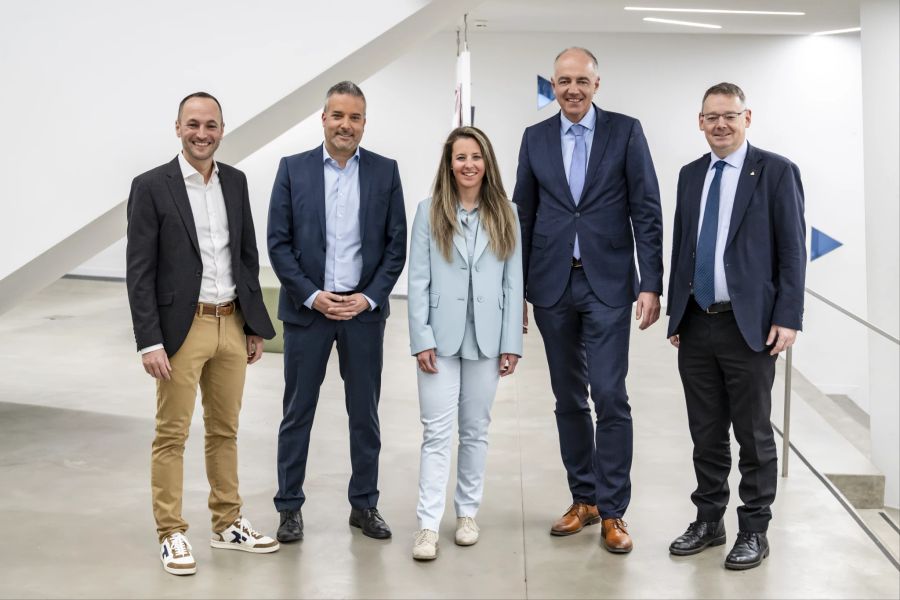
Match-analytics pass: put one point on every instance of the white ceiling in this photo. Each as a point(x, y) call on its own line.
point(610, 16)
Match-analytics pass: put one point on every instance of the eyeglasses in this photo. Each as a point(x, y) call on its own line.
point(713, 118)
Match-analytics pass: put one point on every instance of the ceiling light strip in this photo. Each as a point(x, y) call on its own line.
point(717, 11)
point(837, 31)
point(684, 23)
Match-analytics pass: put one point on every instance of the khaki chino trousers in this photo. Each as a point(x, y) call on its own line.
point(214, 355)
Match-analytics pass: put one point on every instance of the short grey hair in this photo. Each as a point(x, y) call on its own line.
point(584, 51)
point(344, 87)
point(725, 89)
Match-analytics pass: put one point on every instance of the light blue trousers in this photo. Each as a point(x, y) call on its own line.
point(464, 390)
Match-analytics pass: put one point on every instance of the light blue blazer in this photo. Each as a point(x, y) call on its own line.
point(439, 293)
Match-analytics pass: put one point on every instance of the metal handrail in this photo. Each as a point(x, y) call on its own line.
point(788, 359)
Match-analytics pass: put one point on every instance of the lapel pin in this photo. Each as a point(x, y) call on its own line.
point(752, 173)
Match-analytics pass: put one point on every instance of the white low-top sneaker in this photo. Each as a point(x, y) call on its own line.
point(466, 531)
point(175, 554)
point(240, 535)
point(425, 545)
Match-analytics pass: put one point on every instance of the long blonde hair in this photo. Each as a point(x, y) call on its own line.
point(495, 210)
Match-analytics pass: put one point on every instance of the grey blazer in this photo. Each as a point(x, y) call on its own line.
point(439, 293)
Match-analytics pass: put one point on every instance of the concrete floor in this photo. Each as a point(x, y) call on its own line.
point(76, 422)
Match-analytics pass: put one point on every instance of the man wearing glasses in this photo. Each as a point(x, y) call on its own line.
point(735, 302)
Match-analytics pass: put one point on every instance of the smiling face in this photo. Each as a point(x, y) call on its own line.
point(724, 122)
point(575, 81)
point(344, 120)
point(200, 128)
point(467, 164)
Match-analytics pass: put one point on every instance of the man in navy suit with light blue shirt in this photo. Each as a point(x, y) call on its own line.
point(588, 198)
point(735, 302)
point(337, 241)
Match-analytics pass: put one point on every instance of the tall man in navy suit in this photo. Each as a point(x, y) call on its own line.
point(337, 241)
point(588, 197)
point(735, 302)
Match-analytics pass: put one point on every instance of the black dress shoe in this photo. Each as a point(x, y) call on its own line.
point(699, 536)
point(370, 522)
point(291, 527)
point(749, 550)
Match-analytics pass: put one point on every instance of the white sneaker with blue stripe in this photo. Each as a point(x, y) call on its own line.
point(175, 554)
point(240, 535)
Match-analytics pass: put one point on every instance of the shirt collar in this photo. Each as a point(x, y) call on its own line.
point(188, 170)
point(327, 159)
point(735, 159)
point(588, 121)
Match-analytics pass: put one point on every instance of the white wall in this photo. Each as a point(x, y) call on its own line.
point(90, 91)
point(880, 20)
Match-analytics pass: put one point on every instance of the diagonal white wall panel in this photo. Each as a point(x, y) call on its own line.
point(369, 37)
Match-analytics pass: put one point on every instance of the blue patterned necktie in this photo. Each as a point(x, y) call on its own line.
point(577, 168)
point(705, 263)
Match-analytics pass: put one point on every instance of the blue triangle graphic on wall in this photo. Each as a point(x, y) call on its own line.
point(545, 93)
point(822, 244)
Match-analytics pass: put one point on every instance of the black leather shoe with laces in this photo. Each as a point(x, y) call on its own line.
point(749, 551)
point(370, 522)
point(699, 536)
point(291, 527)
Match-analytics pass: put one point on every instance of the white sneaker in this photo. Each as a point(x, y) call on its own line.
point(425, 545)
point(466, 531)
point(240, 535)
point(175, 554)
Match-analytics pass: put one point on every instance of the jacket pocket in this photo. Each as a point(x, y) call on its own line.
point(434, 299)
point(623, 241)
point(165, 298)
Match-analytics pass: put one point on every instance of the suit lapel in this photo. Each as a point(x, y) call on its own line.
point(365, 189)
point(598, 147)
point(750, 174)
point(316, 175)
point(175, 181)
point(481, 242)
point(232, 195)
point(694, 197)
point(554, 147)
point(460, 242)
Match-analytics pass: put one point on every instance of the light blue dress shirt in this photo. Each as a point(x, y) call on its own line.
point(468, 222)
point(567, 137)
point(343, 242)
point(589, 121)
point(734, 162)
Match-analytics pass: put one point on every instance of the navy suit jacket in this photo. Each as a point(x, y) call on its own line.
point(164, 269)
point(765, 253)
point(296, 235)
point(618, 211)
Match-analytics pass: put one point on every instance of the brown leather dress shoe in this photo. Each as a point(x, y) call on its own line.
point(615, 536)
point(576, 518)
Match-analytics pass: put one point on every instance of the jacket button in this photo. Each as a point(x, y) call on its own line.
point(481, 298)
point(198, 273)
point(577, 214)
point(477, 268)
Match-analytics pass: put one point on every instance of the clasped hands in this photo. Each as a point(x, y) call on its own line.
point(340, 308)
point(427, 362)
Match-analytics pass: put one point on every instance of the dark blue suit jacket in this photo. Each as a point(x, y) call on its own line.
point(296, 236)
point(765, 254)
point(619, 209)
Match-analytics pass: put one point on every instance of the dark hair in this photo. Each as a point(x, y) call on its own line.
point(580, 49)
point(724, 89)
point(200, 95)
point(345, 87)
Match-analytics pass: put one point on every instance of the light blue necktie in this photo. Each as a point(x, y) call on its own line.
point(577, 168)
point(705, 262)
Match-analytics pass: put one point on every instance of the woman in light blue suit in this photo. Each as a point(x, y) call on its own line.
point(465, 324)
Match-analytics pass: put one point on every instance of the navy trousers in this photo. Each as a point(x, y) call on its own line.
point(360, 348)
point(587, 345)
